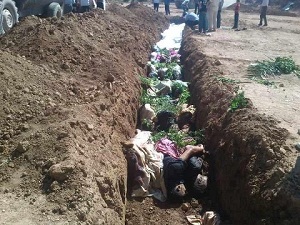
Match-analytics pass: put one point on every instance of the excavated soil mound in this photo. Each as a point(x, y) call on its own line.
point(69, 92)
point(252, 172)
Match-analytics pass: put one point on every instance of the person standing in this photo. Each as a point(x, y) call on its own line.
point(167, 7)
point(156, 5)
point(212, 11)
point(185, 7)
point(221, 3)
point(202, 16)
point(236, 14)
point(196, 6)
point(263, 12)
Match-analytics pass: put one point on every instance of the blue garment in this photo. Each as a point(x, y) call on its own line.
point(202, 22)
point(202, 6)
point(191, 17)
point(167, 2)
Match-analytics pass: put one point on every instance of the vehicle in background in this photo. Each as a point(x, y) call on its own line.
point(12, 10)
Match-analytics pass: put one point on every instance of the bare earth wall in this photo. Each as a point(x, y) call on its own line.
point(249, 149)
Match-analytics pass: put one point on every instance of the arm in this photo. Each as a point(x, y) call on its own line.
point(191, 151)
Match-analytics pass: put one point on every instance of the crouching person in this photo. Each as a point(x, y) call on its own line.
point(182, 175)
point(191, 20)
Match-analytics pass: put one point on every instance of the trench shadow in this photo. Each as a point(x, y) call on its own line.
point(176, 19)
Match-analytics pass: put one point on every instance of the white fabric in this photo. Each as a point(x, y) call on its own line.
point(171, 38)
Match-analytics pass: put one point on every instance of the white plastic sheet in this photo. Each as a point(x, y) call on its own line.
point(171, 38)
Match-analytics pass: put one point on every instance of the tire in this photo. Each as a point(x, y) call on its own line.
point(54, 10)
point(8, 15)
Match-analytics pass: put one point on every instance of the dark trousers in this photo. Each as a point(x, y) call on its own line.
point(263, 15)
point(85, 8)
point(156, 6)
point(236, 20)
point(196, 8)
point(167, 9)
point(202, 22)
point(100, 5)
point(219, 19)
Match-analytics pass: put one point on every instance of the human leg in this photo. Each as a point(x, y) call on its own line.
point(236, 21)
point(196, 8)
point(264, 15)
point(214, 27)
point(210, 20)
point(219, 19)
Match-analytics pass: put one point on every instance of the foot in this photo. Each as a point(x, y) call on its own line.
point(234, 27)
point(259, 24)
point(265, 25)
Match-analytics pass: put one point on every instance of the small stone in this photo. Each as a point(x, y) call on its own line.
point(218, 63)
point(9, 117)
point(297, 146)
point(90, 126)
point(91, 139)
point(298, 131)
point(282, 150)
point(23, 146)
point(24, 127)
point(11, 165)
point(110, 78)
point(185, 207)
point(60, 171)
point(2, 148)
point(65, 66)
point(24, 174)
point(90, 35)
point(26, 90)
point(54, 186)
point(281, 85)
point(58, 94)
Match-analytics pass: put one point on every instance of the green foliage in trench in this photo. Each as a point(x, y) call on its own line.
point(159, 103)
point(180, 138)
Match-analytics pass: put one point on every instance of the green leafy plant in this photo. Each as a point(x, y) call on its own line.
point(238, 102)
point(180, 138)
point(226, 80)
point(277, 66)
point(184, 97)
point(159, 103)
point(198, 136)
point(147, 82)
point(177, 89)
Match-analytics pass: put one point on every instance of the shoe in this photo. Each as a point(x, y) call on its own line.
point(234, 28)
point(265, 25)
point(259, 24)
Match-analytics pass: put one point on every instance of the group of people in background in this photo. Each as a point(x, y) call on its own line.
point(207, 13)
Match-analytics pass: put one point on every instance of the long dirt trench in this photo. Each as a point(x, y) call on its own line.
point(69, 97)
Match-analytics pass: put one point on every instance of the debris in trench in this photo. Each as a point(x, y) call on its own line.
point(166, 159)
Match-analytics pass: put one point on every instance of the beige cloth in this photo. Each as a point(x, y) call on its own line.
point(152, 163)
point(209, 218)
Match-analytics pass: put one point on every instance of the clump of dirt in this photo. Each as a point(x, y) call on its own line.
point(69, 96)
point(250, 151)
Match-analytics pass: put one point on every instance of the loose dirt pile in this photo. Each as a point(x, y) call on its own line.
point(69, 96)
point(256, 162)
